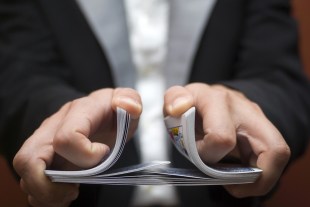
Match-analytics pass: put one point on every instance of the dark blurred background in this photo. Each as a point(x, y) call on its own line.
point(295, 182)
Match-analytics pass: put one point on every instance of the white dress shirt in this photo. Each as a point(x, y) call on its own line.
point(134, 34)
point(148, 32)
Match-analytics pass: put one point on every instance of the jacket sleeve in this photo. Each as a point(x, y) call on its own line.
point(269, 72)
point(34, 79)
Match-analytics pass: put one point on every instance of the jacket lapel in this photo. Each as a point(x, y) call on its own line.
point(77, 44)
point(187, 22)
point(83, 45)
point(108, 21)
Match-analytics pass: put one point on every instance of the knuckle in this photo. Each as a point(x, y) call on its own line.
point(76, 102)
point(236, 192)
point(62, 139)
point(64, 107)
point(282, 152)
point(222, 94)
point(221, 138)
point(59, 197)
point(20, 163)
point(255, 107)
point(46, 121)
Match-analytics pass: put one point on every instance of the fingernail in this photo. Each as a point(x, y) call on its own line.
point(129, 101)
point(131, 105)
point(179, 106)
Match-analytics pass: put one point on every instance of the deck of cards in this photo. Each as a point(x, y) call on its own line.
point(182, 134)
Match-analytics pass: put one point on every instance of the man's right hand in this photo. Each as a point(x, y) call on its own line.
point(80, 134)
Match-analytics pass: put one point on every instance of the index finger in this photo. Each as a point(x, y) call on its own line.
point(270, 153)
point(84, 118)
point(217, 136)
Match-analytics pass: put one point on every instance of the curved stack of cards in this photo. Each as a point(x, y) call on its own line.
point(182, 134)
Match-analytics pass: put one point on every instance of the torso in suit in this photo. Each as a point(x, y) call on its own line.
point(50, 55)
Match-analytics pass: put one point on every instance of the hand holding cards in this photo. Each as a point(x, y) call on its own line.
point(182, 133)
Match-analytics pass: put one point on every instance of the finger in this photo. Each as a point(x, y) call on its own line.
point(42, 189)
point(85, 117)
point(269, 149)
point(40, 143)
point(39, 146)
point(34, 202)
point(219, 135)
point(177, 100)
point(33, 157)
point(272, 166)
point(129, 100)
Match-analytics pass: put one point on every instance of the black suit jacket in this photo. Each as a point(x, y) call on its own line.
point(49, 55)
